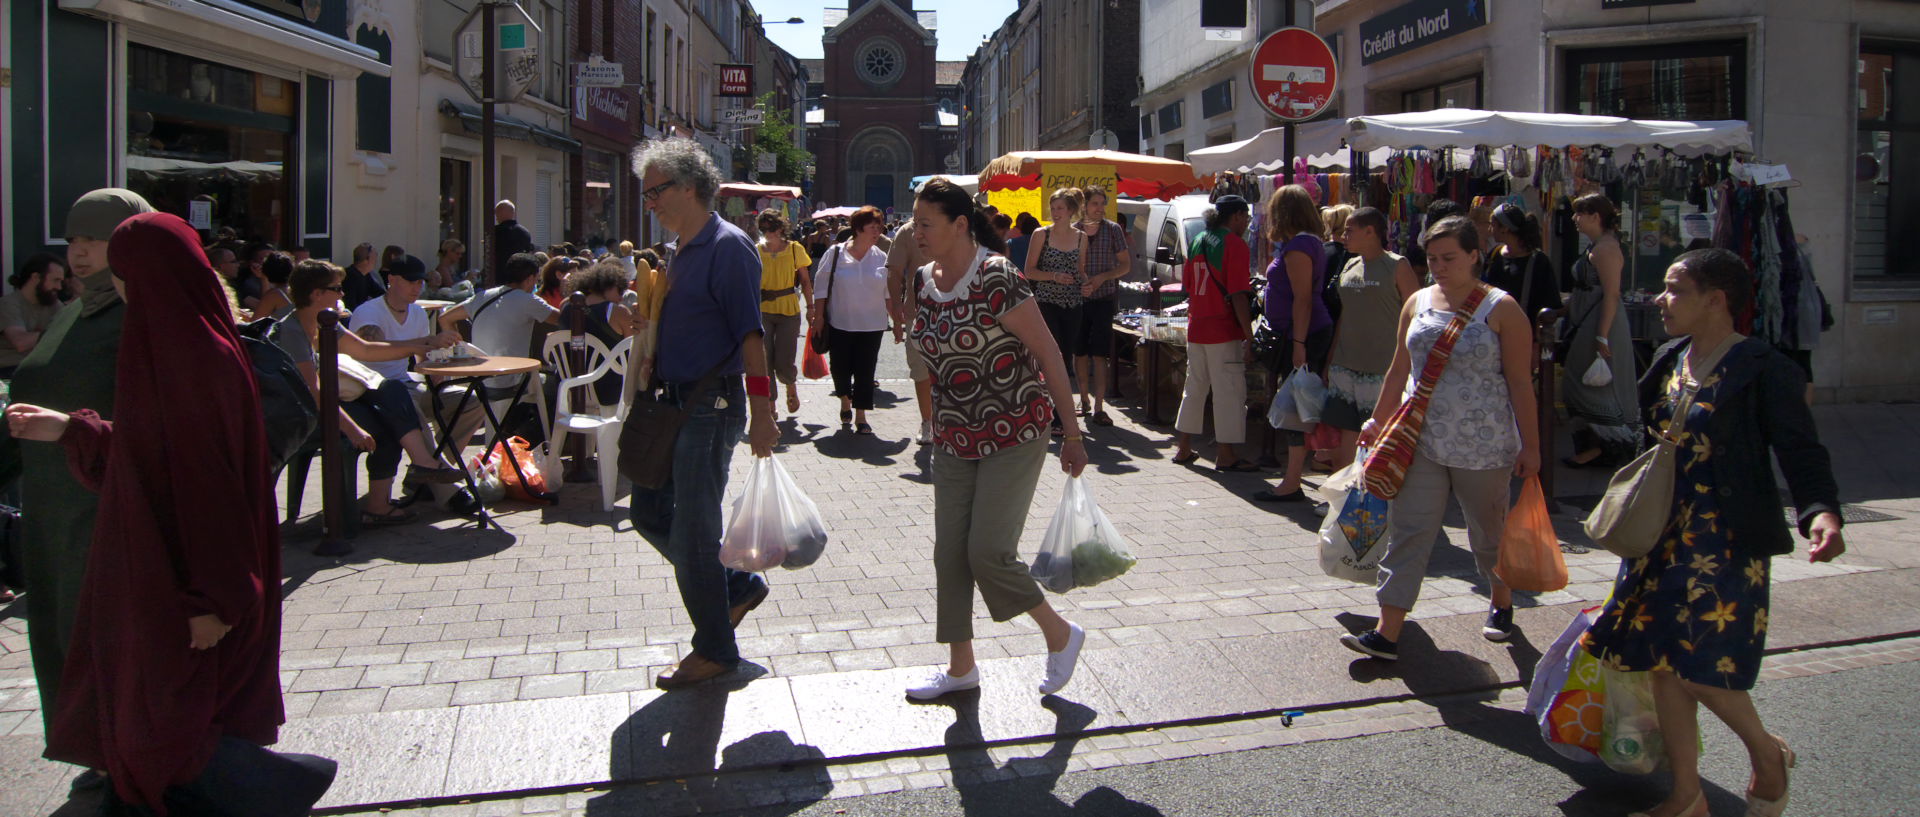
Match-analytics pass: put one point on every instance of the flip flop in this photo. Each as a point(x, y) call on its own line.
point(863, 428)
point(1100, 418)
point(793, 402)
point(1239, 467)
point(1187, 459)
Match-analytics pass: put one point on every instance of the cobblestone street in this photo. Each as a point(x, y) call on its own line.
point(440, 663)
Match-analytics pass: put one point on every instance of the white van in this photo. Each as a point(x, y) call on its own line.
point(1153, 225)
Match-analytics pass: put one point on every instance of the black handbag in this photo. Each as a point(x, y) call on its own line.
point(651, 428)
point(818, 339)
point(287, 407)
point(13, 568)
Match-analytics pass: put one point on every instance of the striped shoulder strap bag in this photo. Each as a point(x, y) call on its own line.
point(1392, 454)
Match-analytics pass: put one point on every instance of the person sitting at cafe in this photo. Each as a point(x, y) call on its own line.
point(275, 302)
point(504, 319)
point(383, 421)
point(26, 312)
point(605, 318)
point(361, 284)
point(397, 317)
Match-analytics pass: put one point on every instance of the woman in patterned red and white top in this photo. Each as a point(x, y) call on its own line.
point(998, 380)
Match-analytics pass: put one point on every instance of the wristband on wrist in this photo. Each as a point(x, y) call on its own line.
point(759, 386)
point(1073, 438)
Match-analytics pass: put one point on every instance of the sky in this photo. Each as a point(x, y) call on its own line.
point(962, 23)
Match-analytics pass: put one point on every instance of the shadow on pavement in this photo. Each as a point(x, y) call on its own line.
point(672, 740)
point(1025, 785)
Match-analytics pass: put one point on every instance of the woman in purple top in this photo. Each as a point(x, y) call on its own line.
point(1296, 311)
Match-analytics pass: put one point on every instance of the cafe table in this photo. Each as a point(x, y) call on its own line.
point(470, 375)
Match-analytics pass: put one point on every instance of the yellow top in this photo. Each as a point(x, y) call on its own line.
point(777, 271)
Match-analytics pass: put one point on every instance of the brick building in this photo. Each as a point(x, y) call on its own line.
point(887, 108)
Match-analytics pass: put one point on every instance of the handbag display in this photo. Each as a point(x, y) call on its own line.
point(1639, 498)
point(1393, 450)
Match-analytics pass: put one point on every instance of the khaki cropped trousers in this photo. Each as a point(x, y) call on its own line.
point(979, 510)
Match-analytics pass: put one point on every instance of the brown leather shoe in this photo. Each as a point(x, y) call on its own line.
point(738, 612)
point(693, 669)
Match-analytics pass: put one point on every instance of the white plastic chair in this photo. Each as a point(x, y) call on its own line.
point(591, 419)
point(606, 438)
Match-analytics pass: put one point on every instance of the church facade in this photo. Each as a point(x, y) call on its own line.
point(884, 109)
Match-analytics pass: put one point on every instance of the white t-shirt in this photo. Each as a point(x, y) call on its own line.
point(857, 300)
point(376, 313)
point(506, 327)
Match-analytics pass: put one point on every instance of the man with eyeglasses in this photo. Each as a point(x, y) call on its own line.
point(710, 335)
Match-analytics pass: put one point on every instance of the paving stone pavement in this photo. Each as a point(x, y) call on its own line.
point(443, 661)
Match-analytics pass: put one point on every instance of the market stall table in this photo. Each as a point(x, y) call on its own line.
point(471, 374)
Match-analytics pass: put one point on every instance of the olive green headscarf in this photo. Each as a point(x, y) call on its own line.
point(96, 215)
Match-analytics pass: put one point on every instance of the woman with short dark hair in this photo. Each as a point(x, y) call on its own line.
point(1519, 267)
point(1693, 611)
point(276, 301)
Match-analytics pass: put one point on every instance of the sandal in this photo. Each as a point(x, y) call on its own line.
point(1100, 418)
point(396, 516)
point(793, 401)
point(1186, 459)
point(846, 416)
point(863, 428)
point(1238, 467)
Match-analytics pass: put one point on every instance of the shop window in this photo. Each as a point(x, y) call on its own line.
point(1695, 81)
point(1146, 127)
point(1175, 150)
point(1170, 116)
point(1219, 137)
point(1459, 93)
point(373, 98)
point(1217, 99)
point(456, 203)
point(200, 131)
point(1887, 159)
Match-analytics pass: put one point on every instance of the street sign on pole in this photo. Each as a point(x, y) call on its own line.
point(599, 73)
point(743, 116)
point(1294, 74)
point(516, 52)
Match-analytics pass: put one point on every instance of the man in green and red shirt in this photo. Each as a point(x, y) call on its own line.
point(1219, 325)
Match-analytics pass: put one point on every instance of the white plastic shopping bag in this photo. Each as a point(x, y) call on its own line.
point(773, 523)
point(1309, 395)
point(1562, 701)
point(1081, 548)
point(1598, 374)
point(1353, 535)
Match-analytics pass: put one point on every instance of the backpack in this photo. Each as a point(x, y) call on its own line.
point(1337, 256)
point(287, 407)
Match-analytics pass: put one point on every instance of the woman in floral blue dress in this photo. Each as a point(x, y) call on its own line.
point(1694, 610)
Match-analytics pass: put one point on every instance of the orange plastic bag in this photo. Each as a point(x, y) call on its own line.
point(1530, 558)
point(534, 488)
point(812, 363)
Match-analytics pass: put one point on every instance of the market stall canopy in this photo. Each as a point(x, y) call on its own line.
point(1460, 127)
point(830, 212)
point(1134, 175)
point(757, 191)
point(1266, 151)
point(969, 183)
point(162, 166)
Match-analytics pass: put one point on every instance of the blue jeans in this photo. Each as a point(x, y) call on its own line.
point(682, 519)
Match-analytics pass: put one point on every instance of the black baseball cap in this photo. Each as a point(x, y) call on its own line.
point(409, 268)
point(1230, 204)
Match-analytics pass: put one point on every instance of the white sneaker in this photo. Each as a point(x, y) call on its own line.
point(1060, 664)
point(942, 683)
point(926, 434)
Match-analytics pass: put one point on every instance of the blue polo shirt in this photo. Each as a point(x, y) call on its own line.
point(713, 302)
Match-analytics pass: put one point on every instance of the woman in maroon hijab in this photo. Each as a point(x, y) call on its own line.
point(177, 642)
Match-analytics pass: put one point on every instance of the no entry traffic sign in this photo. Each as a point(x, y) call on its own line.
point(1294, 74)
